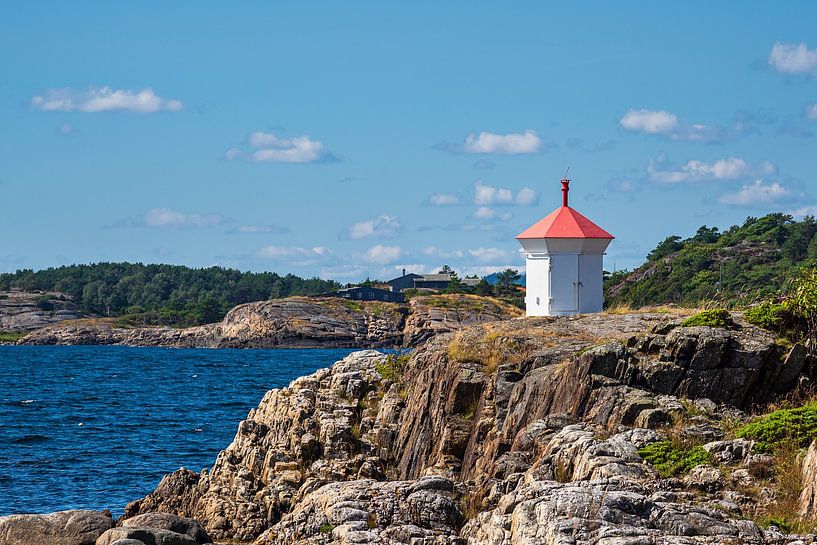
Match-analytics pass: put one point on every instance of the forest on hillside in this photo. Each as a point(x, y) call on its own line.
point(161, 294)
point(740, 265)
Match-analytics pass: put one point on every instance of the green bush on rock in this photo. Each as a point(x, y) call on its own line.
point(670, 459)
point(717, 317)
point(798, 425)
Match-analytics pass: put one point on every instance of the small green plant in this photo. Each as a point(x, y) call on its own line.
point(716, 317)
point(769, 315)
point(326, 528)
point(784, 525)
point(11, 336)
point(670, 459)
point(798, 425)
point(393, 366)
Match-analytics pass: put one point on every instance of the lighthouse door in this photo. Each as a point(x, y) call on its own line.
point(564, 284)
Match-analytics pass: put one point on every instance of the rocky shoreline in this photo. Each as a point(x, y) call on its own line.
point(506, 432)
point(295, 322)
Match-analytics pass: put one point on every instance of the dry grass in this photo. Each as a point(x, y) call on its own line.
point(672, 310)
point(788, 482)
point(492, 345)
point(470, 302)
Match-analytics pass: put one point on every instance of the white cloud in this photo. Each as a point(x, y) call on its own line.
point(803, 211)
point(757, 192)
point(810, 112)
point(383, 255)
point(165, 217)
point(443, 199)
point(381, 226)
point(730, 168)
point(487, 255)
point(65, 129)
point(104, 99)
point(526, 197)
point(504, 144)
point(295, 255)
point(486, 195)
point(487, 213)
point(269, 148)
point(667, 124)
point(793, 58)
point(649, 121)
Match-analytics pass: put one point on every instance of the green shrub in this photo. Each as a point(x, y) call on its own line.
point(671, 459)
point(782, 523)
point(11, 336)
point(798, 425)
point(326, 528)
point(717, 317)
point(393, 366)
point(769, 315)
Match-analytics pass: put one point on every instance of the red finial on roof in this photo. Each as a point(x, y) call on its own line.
point(565, 189)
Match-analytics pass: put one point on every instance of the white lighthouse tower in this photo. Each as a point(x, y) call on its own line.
point(563, 262)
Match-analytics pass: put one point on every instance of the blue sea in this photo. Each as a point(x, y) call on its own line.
point(95, 427)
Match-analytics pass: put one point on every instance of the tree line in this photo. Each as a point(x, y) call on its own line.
point(161, 294)
point(740, 265)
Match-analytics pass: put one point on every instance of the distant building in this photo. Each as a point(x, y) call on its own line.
point(563, 262)
point(367, 293)
point(436, 282)
point(404, 282)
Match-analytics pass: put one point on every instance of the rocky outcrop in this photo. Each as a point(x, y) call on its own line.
point(296, 322)
point(610, 512)
point(368, 511)
point(27, 311)
point(333, 425)
point(527, 431)
point(474, 393)
point(436, 314)
point(60, 528)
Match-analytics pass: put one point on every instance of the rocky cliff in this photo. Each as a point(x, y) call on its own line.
point(508, 432)
point(26, 311)
point(296, 322)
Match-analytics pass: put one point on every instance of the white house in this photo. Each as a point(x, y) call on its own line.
point(563, 262)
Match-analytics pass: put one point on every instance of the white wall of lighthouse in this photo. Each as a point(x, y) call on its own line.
point(564, 256)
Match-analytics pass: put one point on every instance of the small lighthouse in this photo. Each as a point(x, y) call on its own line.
point(563, 262)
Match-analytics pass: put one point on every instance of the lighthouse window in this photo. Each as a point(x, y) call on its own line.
point(537, 300)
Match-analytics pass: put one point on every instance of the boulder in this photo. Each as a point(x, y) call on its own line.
point(166, 521)
point(367, 511)
point(148, 536)
point(704, 477)
point(61, 528)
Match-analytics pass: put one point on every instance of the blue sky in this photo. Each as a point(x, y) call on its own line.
point(347, 139)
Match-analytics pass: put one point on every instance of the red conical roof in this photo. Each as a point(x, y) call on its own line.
point(564, 222)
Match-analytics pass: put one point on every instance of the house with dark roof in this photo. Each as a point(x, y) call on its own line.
point(367, 293)
point(436, 282)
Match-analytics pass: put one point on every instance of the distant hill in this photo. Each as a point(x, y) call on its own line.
point(161, 294)
point(736, 266)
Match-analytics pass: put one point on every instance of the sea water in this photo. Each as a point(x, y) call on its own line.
point(95, 427)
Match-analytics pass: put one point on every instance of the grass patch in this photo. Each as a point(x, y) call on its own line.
point(326, 528)
point(716, 317)
point(673, 459)
point(12, 336)
point(796, 425)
